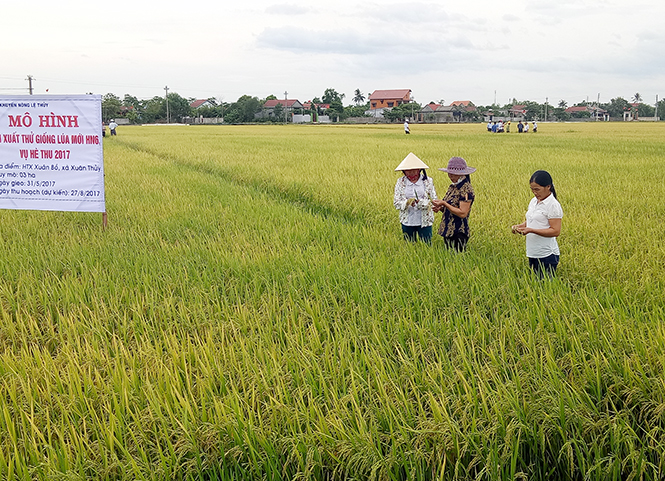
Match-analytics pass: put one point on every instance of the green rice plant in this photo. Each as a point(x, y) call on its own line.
point(251, 311)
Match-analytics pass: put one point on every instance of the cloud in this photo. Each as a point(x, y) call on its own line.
point(409, 13)
point(288, 9)
point(350, 42)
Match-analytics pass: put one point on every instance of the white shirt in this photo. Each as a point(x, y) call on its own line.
point(423, 190)
point(414, 216)
point(538, 217)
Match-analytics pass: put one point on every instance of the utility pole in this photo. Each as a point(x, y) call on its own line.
point(656, 115)
point(167, 104)
point(286, 96)
point(546, 109)
point(30, 79)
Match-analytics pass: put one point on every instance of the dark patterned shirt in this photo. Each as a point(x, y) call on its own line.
point(451, 224)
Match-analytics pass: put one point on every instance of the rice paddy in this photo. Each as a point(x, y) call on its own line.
point(252, 312)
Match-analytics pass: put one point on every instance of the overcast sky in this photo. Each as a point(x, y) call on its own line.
point(478, 50)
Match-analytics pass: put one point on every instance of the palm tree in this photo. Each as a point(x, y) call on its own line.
point(563, 104)
point(358, 98)
point(637, 98)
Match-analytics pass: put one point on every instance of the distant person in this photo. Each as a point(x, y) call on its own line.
point(500, 127)
point(456, 205)
point(520, 127)
point(406, 127)
point(494, 127)
point(103, 130)
point(526, 127)
point(112, 127)
point(489, 126)
point(542, 225)
point(535, 126)
point(508, 127)
point(414, 193)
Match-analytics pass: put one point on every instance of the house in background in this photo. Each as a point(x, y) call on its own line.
point(436, 113)
point(454, 112)
point(380, 100)
point(589, 111)
point(465, 105)
point(201, 103)
point(288, 105)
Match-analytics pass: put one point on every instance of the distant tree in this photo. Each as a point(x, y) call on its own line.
point(331, 96)
point(559, 113)
point(637, 98)
point(356, 110)
point(278, 113)
point(645, 110)
point(533, 110)
point(271, 97)
point(110, 106)
point(563, 104)
point(179, 107)
point(402, 111)
point(151, 109)
point(358, 97)
point(616, 107)
point(133, 108)
point(242, 110)
point(131, 101)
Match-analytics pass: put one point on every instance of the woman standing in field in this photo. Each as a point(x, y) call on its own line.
point(414, 192)
point(542, 225)
point(456, 204)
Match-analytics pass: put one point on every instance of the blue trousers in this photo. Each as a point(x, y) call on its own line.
point(411, 231)
point(544, 265)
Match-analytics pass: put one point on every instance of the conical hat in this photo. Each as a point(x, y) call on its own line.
point(411, 162)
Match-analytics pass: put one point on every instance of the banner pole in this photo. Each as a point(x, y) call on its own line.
point(104, 220)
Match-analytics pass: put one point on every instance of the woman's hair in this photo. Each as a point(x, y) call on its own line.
point(544, 179)
point(424, 174)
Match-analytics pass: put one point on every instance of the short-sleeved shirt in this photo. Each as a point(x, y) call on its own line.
point(538, 217)
point(450, 223)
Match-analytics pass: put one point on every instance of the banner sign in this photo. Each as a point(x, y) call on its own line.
point(51, 153)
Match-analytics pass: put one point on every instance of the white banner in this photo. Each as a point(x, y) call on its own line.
point(51, 153)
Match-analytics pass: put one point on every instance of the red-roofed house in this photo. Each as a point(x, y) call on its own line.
point(387, 99)
point(430, 107)
point(288, 105)
point(201, 103)
point(437, 113)
point(581, 111)
point(466, 104)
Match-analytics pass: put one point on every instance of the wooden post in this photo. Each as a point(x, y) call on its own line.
point(104, 220)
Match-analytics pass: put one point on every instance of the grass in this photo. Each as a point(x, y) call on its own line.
point(251, 312)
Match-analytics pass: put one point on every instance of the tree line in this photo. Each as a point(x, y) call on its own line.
point(175, 108)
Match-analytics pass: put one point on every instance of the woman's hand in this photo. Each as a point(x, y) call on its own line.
point(519, 229)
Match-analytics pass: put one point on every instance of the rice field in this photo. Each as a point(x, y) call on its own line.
point(252, 312)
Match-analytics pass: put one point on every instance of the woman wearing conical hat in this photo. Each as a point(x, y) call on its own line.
point(456, 204)
point(414, 193)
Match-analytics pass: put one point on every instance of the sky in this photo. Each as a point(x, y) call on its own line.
point(479, 50)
